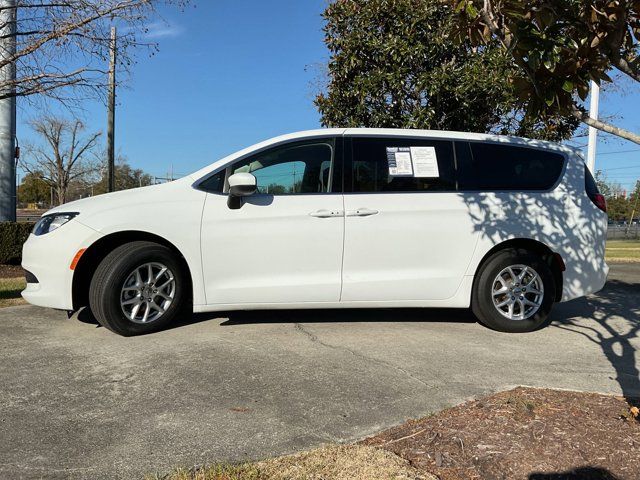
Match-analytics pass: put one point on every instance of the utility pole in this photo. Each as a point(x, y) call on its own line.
point(8, 112)
point(593, 133)
point(111, 114)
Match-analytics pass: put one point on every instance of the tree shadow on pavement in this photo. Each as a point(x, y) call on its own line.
point(613, 322)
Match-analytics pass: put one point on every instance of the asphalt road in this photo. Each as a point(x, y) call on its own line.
point(77, 401)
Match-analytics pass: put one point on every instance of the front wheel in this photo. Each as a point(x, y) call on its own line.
point(138, 288)
point(514, 292)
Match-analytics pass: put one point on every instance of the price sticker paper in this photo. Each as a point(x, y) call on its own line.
point(425, 162)
point(399, 160)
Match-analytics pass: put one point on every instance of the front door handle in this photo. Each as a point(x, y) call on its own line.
point(327, 213)
point(361, 212)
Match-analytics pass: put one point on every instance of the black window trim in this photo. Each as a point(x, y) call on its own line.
point(336, 168)
point(348, 165)
point(342, 164)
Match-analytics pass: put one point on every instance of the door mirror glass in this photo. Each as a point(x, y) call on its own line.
point(242, 184)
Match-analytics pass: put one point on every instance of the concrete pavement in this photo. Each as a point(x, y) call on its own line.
point(78, 401)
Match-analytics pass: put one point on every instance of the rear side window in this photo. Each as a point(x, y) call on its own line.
point(372, 169)
point(490, 166)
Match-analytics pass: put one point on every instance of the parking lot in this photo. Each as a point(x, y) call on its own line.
point(78, 401)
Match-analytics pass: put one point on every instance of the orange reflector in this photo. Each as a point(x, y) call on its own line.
point(76, 259)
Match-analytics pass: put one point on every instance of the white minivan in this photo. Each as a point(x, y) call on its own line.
point(337, 218)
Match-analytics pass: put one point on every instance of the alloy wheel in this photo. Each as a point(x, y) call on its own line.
point(147, 292)
point(517, 292)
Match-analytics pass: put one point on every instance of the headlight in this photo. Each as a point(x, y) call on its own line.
point(49, 223)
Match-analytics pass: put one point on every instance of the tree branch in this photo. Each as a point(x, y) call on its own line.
point(604, 127)
point(624, 66)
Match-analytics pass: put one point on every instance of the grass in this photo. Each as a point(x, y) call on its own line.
point(623, 250)
point(332, 462)
point(214, 472)
point(10, 289)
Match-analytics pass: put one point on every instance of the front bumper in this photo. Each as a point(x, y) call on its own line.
point(48, 257)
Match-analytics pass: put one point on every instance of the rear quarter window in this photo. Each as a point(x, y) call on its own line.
point(490, 166)
point(590, 184)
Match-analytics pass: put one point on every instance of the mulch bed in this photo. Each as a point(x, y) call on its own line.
point(524, 433)
point(11, 271)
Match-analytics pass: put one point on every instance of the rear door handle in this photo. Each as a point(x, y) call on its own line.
point(327, 213)
point(361, 212)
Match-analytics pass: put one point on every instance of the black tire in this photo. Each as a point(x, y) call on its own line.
point(113, 271)
point(482, 296)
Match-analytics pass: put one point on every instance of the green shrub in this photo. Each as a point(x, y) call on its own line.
point(12, 236)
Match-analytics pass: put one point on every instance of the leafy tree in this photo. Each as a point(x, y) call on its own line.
point(606, 187)
point(620, 204)
point(393, 65)
point(126, 177)
point(634, 203)
point(34, 189)
point(557, 47)
point(603, 186)
point(275, 189)
point(64, 155)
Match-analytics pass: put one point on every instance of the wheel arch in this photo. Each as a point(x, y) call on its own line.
point(553, 259)
point(96, 252)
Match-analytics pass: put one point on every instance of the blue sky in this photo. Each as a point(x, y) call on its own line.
point(233, 72)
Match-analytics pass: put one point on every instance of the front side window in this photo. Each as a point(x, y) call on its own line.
point(401, 165)
point(490, 166)
point(291, 169)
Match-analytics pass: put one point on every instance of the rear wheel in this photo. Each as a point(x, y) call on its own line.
point(514, 292)
point(138, 288)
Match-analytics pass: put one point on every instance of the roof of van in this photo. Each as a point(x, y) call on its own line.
point(406, 132)
point(483, 137)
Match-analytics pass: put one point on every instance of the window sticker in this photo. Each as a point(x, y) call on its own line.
point(399, 160)
point(419, 162)
point(425, 162)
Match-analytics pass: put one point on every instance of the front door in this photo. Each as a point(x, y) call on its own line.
point(408, 234)
point(284, 244)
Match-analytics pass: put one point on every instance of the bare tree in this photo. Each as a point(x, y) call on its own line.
point(64, 44)
point(66, 155)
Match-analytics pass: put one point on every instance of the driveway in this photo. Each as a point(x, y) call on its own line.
point(77, 401)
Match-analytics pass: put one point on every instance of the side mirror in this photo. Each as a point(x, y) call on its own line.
point(241, 184)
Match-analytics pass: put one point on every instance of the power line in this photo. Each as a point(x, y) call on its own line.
point(619, 168)
point(619, 151)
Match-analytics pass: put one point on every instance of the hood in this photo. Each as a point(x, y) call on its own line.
point(123, 198)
